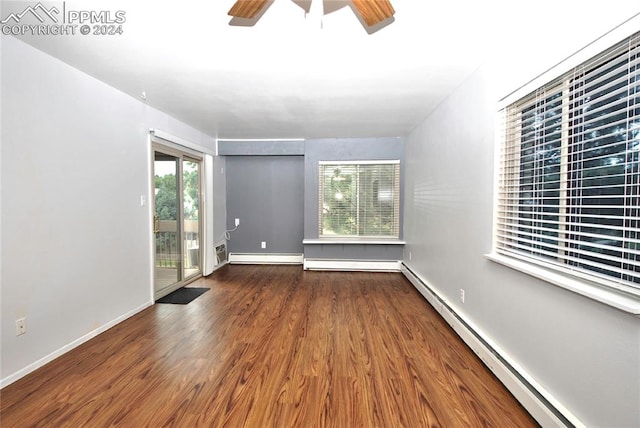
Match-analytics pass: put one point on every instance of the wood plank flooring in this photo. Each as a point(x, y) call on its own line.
point(272, 346)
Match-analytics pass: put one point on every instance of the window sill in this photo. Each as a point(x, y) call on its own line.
point(349, 241)
point(593, 291)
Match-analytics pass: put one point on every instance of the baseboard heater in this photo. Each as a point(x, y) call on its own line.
point(266, 258)
point(539, 403)
point(352, 265)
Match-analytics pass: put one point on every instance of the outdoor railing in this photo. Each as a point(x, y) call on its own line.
point(169, 247)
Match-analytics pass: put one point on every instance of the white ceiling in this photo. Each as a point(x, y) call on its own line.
point(292, 75)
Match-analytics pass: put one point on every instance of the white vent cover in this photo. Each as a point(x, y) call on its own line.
point(221, 253)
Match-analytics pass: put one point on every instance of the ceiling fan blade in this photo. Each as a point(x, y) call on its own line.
point(374, 11)
point(247, 8)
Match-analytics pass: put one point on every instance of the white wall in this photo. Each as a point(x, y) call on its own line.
point(76, 242)
point(220, 202)
point(586, 354)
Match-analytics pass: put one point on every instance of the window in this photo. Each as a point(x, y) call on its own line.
point(569, 178)
point(359, 199)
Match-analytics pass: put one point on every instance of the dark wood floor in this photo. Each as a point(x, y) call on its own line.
point(272, 346)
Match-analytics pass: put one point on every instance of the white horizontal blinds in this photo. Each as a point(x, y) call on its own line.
point(603, 166)
point(378, 205)
point(530, 177)
point(359, 199)
point(569, 177)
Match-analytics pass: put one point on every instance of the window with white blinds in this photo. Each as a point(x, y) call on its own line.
point(569, 178)
point(359, 199)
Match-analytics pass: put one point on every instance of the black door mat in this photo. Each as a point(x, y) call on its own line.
point(183, 295)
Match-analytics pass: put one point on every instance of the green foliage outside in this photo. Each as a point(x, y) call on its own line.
point(166, 200)
point(359, 200)
point(167, 245)
point(166, 197)
point(339, 199)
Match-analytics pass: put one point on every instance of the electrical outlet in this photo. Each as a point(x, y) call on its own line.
point(263, 245)
point(462, 295)
point(237, 222)
point(21, 326)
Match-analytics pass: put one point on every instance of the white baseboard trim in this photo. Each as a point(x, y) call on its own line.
point(79, 341)
point(539, 402)
point(265, 259)
point(352, 265)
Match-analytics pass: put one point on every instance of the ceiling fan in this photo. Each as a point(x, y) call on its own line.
point(372, 12)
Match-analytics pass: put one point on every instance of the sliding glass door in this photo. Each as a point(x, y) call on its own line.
point(191, 216)
point(177, 219)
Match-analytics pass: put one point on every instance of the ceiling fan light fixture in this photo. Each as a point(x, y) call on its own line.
point(374, 11)
point(247, 9)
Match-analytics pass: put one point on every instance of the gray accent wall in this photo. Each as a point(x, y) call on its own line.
point(260, 147)
point(343, 149)
point(276, 197)
point(585, 353)
point(353, 252)
point(267, 194)
point(347, 149)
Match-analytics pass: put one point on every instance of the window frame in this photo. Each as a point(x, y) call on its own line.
point(397, 200)
point(600, 289)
